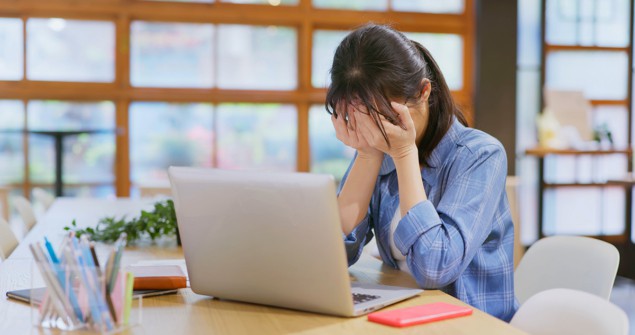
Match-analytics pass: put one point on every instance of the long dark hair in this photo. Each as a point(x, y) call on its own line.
point(376, 64)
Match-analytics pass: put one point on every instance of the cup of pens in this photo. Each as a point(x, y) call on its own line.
point(81, 292)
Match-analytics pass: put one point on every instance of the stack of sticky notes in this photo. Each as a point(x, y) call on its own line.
point(158, 277)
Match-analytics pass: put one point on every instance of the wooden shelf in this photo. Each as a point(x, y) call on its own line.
point(582, 185)
point(542, 152)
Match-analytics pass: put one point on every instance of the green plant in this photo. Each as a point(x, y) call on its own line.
point(159, 222)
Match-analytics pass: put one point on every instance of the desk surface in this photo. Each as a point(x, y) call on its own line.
point(189, 313)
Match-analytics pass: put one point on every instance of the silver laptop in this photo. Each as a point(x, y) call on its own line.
point(270, 238)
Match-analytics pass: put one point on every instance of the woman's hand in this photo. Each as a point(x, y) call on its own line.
point(349, 134)
point(402, 140)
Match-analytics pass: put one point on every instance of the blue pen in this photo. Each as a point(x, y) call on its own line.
point(61, 275)
point(49, 247)
point(89, 264)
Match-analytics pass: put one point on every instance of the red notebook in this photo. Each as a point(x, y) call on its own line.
point(419, 314)
point(158, 277)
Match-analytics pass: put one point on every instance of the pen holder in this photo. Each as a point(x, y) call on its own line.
point(79, 298)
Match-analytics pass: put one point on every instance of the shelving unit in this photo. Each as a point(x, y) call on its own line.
point(627, 182)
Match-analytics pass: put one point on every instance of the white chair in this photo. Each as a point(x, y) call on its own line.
point(25, 209)
point(573, 262)
point(8, 242)
point(44, 198)
point(565, 311)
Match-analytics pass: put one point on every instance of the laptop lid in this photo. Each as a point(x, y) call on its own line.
point(263, 237)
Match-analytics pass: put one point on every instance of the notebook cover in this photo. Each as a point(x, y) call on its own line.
point(419, 314)
point(158, 277)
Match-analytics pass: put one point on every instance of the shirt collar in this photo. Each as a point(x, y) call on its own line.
point(437, 156)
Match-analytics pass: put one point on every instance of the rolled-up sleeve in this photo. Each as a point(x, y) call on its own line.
point(440, 242)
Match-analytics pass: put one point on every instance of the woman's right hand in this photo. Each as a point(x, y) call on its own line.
point(348, 133)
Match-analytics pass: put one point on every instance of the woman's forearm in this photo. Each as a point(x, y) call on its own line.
point(411, 191)
point(354, 198)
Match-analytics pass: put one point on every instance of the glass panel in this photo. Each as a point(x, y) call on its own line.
point(585, 168)
point(324, 44)
point(254, 136)
point(427, 6)
point(257, 57)
point(584, 211)
point(265, 2)
point(561, 27)
point(164, 134)
point(379, 5)
point(447, 50)
point(102, 191)
point(328, 154)
point(600, 74)
point(87, 157)
point(588, 22)
point(11, 145)
point(11, 49)
point(529, 40)
point(70, 50)
point(612, 26)
point(171, 54)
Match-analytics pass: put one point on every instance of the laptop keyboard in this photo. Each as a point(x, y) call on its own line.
point(359, 298)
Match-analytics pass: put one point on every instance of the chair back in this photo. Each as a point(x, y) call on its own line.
point(44, 198)
point(565, 311)
point(25, 209)
point(574, 262)
point(8, 242)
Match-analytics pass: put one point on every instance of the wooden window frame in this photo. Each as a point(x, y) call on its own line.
point(302, 17)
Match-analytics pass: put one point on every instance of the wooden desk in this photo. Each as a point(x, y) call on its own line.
point(189, 313)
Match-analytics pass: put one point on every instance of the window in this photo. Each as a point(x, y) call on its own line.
point(235, 84)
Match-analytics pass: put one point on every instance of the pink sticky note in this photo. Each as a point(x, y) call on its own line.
point(117, 296)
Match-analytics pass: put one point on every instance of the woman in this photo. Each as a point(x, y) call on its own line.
point(429, 188)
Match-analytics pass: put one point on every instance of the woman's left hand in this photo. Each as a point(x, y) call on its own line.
point(402, 140)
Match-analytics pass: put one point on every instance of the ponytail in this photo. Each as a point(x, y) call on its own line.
point(442, 108)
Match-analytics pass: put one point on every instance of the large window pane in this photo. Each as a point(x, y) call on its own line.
point(447, 50)
point(324, 44)
point(11, 50)
point(70, 50)
point(87, 157)
point(164, 134)
point(378, 5)
point(584, 211)
point(588, 22)
point(171, 54)
point(599, 74)
point(257, 57)
point(265, 2)
point(11, 147)
point(254, 136)
point(428, 6)
point(328, 154)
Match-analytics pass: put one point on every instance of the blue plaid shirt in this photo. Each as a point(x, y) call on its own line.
point(461, 239)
